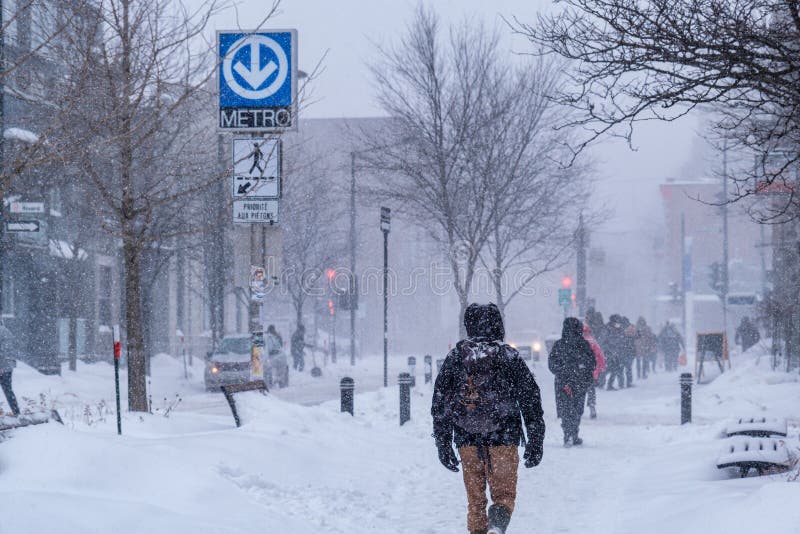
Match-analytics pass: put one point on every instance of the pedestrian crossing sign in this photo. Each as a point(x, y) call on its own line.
point(257, 168)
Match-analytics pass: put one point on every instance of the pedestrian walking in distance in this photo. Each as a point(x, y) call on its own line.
point(7, 364)
point(482, 398)
point(599, 368)
point(572, 362)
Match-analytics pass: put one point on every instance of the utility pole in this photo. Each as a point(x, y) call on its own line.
point(2, 153)
point(581, 288)
point(725, 237)
point(353, 289)
point(684, 278)
point(386, 224)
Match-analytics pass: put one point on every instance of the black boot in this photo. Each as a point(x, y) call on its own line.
point(499, 517)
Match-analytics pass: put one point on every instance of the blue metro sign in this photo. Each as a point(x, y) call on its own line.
point(257, 80)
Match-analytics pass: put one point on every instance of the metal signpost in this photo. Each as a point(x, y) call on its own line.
point(257, 94)
point(117, 356)
point(386, 225)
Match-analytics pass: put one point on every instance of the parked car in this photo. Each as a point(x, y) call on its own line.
point(230, 363)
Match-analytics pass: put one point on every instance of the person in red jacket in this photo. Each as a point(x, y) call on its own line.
point(599, 368)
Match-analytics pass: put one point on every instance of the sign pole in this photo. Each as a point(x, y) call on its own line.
point(117, 354)
point(385, 227)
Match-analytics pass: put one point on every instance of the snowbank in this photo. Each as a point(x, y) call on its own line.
point(291, 468)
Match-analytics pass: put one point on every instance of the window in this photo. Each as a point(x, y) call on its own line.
point(8, 296)
point(104, 287)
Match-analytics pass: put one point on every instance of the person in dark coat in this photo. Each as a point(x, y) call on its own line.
point(298, 347)
point(629, 350)
point(7, 364)
point(671, 343)
point(483, 397)
point(614, 350)
point(572, 362)
point(747, 334)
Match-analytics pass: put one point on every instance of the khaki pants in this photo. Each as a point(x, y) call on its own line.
point(498, 467)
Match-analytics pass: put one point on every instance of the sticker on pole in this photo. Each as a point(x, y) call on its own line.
point(257, 79)
point(256, 168)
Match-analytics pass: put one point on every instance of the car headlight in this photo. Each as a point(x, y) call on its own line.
point(537, 346)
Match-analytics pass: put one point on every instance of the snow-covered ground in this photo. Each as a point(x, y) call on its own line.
point(310, 469)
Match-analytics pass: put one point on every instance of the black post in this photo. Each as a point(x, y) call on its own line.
point(686, 398)
point(116, 381)
point(347, 387)
point(428, 368)
point(385, 226)
point(412, 370)
point(404, 380)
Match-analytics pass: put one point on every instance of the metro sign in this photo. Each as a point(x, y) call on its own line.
point(257, 80)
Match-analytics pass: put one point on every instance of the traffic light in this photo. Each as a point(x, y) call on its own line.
point(331, 308)
point(566, 282)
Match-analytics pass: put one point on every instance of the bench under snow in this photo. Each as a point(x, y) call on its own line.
point(747, 453)
point(10, 422)
point(758, 427)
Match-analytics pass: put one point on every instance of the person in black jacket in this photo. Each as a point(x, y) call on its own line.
point(7, 364)
point(572, 363)
point(615, 348)
point(482, 397)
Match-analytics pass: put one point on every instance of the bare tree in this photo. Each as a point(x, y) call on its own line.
point(135, 82)
point(312, 242)
point(432, 84)
point(660, 59)
point(517, 162)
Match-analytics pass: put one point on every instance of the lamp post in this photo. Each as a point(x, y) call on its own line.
point(352, 289)
point(386, 224)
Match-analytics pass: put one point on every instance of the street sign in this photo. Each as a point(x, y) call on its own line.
point(27, 207)
point(565, 297)
point(256, 168)
point(257, 80)
point(23, 226)
point(255, 211)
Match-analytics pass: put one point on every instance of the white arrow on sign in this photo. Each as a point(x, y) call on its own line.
point(22, 226)
point(255, 75)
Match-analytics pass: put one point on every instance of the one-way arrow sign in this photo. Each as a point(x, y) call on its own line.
point(22, 226)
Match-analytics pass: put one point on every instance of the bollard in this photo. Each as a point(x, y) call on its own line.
point(412, 370)
point(686, 398)
point(347, 387)
point(428, 368)
point(404, 380)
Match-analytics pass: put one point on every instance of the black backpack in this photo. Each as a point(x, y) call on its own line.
point(482, 402)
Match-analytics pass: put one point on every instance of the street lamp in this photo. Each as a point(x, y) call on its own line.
point(386, 224)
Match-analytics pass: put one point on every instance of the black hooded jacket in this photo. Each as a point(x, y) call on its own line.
point(485, 324)
point(572, 360)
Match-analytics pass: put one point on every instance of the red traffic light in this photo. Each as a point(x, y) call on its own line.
point(566, 282)
point(329, 274)
point(331, 309)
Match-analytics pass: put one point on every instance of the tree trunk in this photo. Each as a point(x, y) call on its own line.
point(72, 349)
point(298, 307)
point(137, 376)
